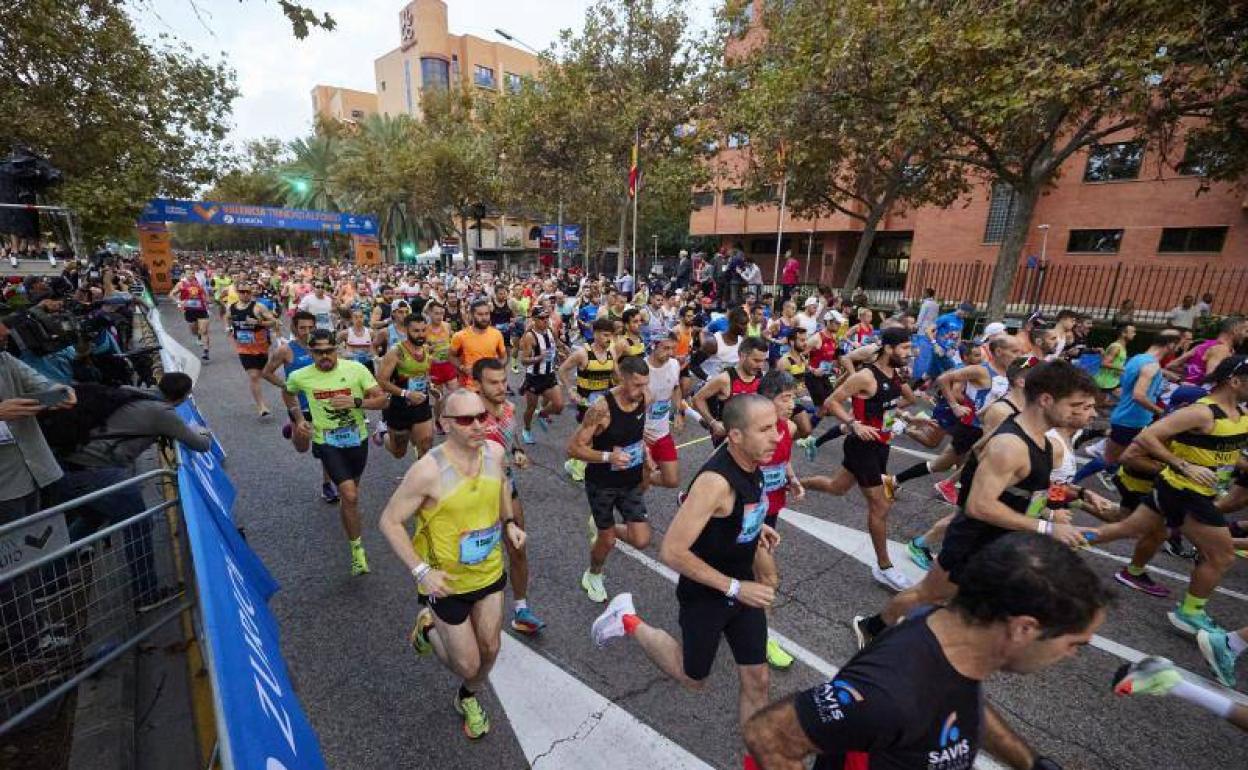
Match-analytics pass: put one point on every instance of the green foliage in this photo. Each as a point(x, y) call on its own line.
point(122, 117)
point(302, 18)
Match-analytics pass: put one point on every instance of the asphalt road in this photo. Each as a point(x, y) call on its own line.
point(374, 704)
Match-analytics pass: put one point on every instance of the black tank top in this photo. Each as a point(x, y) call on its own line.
point(871, 411)
point(728, 544)
point(624, 431)
point(243, 317)
point(1032, 491)
point(500, 315)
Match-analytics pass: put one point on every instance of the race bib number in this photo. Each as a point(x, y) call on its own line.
point(774, 477)
point(245, 336)
point(344, 437)
point(323, 321)
point(476, 545)
point(418, 384)
point(825, 368)
point(783, 351)
point(752, 521)
point(660, 410)
point(193, 304)
point(593, 397)
point(503, 328)
point(636, 454)
point(550, 354)
point(1038, 502)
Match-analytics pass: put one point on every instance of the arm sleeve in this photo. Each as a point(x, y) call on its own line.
point(842, 716)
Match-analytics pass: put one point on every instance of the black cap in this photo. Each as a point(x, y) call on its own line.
point(894, 335)
point(1230, 366)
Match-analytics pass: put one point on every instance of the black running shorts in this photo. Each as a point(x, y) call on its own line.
point(401, 414)
point(867, 461)
point(342, 463)
point(453, 610)
point(605, 501)
point(1176, 505)
point(704, 621)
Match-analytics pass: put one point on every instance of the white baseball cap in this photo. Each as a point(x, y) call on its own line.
point(810, 301)
point(993, 329)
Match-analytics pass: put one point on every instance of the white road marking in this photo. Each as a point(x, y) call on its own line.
point(564, 723)
point(857, 544)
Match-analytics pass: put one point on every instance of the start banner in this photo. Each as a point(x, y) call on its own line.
point(247, 215)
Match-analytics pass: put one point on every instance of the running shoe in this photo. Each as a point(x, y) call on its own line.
point(263, 412)
point(527, 437)
point(1176, 547)
point(1106, 480)
point(890, 487)
point(892, 578)
point(1150, 675)
point(329, 493)
point(543, 423)
point(575, 469)
point(515, 366)
point(920, 555)
point(476, 723)
point(288, 430)
point(859, 625)
point(419, 637)
point(526, 621)
point(594, 587)
point(205, 355)
point(776, 656)
point(1192, 622)
point(610, 624)
point(948, 490)
point(681, 497)
point(1142, 583)
point(1218, 655)
point(359, 562)
point(808, 448)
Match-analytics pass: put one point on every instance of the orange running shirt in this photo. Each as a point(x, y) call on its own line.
point(471, 346)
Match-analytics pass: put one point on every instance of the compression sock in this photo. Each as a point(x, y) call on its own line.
point(1096, 465)
point(630, 623)
point(914, 472)
point(835, 432)
point(1193, 604)
point(1214, 702)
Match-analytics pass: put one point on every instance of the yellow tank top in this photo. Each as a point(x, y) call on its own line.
point(1133, 482)
point(462, 534)
point(439, 343)
point(595, 376)
point(410, 373)
point(635, 347)
point(1217, 450)
point(795, 366)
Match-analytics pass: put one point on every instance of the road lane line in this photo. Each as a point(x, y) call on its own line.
point(694, 441)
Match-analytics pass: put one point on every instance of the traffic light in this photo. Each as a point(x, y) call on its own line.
point(408, 251)
point(300, 186)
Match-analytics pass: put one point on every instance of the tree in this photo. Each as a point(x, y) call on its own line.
point(824, 95)
point(123, 118)
point(1023, 87)
point(306, 181)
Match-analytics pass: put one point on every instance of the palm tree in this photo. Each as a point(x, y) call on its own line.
point(305, 182)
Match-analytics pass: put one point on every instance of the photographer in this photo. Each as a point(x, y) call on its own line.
point(97, 444)
point(45, 334)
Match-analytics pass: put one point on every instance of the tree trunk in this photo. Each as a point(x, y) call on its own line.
point(1011, 250)
point(864, 247)
point(620, 262)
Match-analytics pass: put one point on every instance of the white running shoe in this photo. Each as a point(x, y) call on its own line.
point(594, 587)
point(892, 578)
point(610, 624)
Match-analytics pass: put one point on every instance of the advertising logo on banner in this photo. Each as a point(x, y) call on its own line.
point(156, 250)
point(263, 725)
point(247, 215)
point(571, 236)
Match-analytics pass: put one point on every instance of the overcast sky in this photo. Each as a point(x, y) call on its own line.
point(276, 72)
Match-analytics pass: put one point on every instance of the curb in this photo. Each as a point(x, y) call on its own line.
point(103, 737)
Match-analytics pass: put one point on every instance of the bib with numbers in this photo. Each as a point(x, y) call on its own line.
point(752, 516)
point(774, 477)
point(593, 397)
point(245, 336)
point(6, 435)
point(636, 454)
point(476, 545)
point(345, 437)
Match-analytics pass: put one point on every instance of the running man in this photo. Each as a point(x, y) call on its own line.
point(610, 440)
point(914, 698)
point(1200, 446)
point(490, 375)
point(594, 366)
point(713, 543)
point(250, 325)
point(740, 378)
point(463, 512)
point(876, 390)
point(193, 300)
point(538, 352)
point(665, 406)
point(628, 341)
point(337, 393)
point(478, 341)
point(1005, 488)
point(404, 373)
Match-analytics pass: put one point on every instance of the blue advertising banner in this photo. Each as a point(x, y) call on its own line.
point(571, 235)
point(246, 215)
point(263, 725)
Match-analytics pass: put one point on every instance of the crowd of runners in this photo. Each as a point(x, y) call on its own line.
point(463, 371)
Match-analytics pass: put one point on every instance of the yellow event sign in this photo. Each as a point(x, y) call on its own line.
point(156, 249)
point(367, 250)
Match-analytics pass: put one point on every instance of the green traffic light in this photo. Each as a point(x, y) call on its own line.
point(300, 185)
point(409, 250)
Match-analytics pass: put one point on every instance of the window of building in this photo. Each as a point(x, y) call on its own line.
point(738, 140)
point(888, 261)
point(1114, 162)
point(357, 114)
point(382, 85)
point(768, 245)
point(483, 76)
point(1177, 240)
point(513, 82)
point(1001, 207)
point(733, 197)
point(1094, 241)
point(434, 74)
point(703, 199)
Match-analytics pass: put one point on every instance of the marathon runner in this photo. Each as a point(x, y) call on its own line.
point(192, 299)
point(490, 375)
point(321, 306)
point(610, 440)
point(1004, 488)
point(478, 341)
point(221, 285)
point(876, 391)
point(713, 543)
point(665, 406)
point(628, 340)
point(502, 314)
point(379, 316)
point(721, 347)
point(914, 698)
point(594, 366)
point(250, 325)
point(337, 394)
point(357, 339)
point(539, 349)
point(442, 372)
point(740, 378)
point(393, 332)
point(1200, 446)
point(404, 373)
point(463, 511)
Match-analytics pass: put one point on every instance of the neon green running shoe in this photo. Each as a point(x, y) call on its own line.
point(359, 562)
point(476, 723)
point(1148, 676)
point(777, 657)
point(594, 587)
point(419, 637)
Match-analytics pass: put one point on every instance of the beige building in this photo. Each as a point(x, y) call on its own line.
point(429, 56)
point(343, 104)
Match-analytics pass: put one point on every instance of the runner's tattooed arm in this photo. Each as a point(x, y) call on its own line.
point(596, 419)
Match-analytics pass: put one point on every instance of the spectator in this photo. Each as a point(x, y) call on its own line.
point(1184, 316)
point(860, 298)
point(929, 309)
point(624, 284)
point(789, 275)
point(684, 270)
point(97, 443)
point(1125, 314)
point(27, 466)
point(1205, 307)
point(751, 276)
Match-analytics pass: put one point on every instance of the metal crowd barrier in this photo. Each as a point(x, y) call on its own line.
point(68, 613)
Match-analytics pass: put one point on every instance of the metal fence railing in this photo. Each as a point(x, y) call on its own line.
point(70, 611)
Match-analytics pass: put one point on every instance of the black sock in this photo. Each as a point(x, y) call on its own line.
point(913, 472)
point(464, 692)
point(835, 432)
point(874, 625)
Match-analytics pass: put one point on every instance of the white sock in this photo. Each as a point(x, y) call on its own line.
point(521, 604)
point(1213, 702)
point(1236, 643)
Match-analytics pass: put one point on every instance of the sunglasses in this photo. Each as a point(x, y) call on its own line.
point(466, 420)
point(322, 351)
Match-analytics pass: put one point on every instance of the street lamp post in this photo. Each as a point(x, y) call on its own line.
point(505, 35)
point(810, 245)
point(655, 259)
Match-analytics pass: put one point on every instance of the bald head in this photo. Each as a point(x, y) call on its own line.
point(460, 402)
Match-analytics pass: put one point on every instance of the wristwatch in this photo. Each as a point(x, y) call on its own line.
point(359, 402)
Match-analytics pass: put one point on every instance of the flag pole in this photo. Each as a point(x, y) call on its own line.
point(775, 268)
point(636, 195)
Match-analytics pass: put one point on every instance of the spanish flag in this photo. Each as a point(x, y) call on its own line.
point(634, 171)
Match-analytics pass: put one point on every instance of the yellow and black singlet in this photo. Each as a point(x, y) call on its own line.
point(594, 379)
point(1218, 450)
